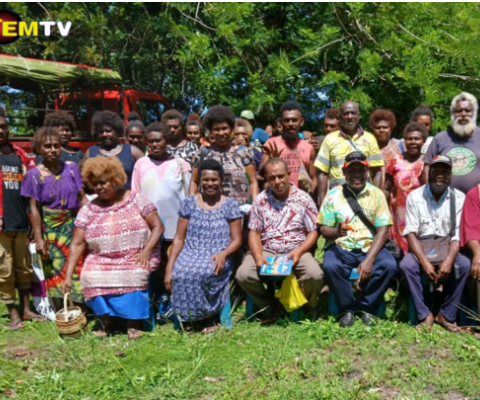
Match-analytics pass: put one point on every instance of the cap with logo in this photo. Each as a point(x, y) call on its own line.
point(247, 114)
point(355, 157)
point(442, 159)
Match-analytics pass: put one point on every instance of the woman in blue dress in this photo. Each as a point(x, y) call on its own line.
point(200, 263)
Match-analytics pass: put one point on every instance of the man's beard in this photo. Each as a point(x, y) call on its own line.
point(290, 137)
point(439, 190)
point(463, 130)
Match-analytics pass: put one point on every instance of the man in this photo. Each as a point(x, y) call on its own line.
point(429, 216)
point(178, 145)
point(353, 243)
point(297, 153)
point(277, 127)
point(15, 267)
point(331, 122)
point(460, 142)
point(282, 221)
point(337, 144)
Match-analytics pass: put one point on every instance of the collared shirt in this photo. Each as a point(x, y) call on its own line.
point(427, 217)
point(335, 209)
point(337, 145)
point(284, 225)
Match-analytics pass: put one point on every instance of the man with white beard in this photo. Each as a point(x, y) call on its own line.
point(460, 142)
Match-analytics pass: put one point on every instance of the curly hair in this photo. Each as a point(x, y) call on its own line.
point(102, 168)
point(109, 118)
point(219, 114)
point(419, 111)
point(244, 123)
point(41, 135)
point(291, 105)
point(135, 123)
point(159, 127)
point(382, 115)
point(211, 165)
point(172, 114)
point(60, 118)
point(332, 113)
point(415, 126)
point(133, 116)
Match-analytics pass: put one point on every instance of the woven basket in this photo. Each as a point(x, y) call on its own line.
point(73, 326)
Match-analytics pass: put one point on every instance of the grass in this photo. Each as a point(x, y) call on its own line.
point(309, 360)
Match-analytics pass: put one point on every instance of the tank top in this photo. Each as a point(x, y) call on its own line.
point(125, 157)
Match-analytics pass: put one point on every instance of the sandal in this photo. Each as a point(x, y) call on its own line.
point(426, 324)
point(448, 326)
point(134, 334)
point(15, 326)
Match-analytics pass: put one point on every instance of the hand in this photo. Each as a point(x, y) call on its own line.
point(343, 227)
point(444, 269)
point(272, 150)
point(365, 270)
point(240, 141)
point(476, 266)
point(315, 144)
point(219, 260)
point(262, 260)
point(429, 270)
point(307, 135)
point(168, 280)
point(295, 255)
point(67, 285)
point(40, 247)
point(142, 259)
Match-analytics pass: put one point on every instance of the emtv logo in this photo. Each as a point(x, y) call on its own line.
point(12, 27)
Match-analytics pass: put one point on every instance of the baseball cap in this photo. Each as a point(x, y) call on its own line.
point(355, 157)
point(442, 159)
point(247, 114)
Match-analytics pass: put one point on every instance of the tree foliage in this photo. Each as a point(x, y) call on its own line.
point(257, 55)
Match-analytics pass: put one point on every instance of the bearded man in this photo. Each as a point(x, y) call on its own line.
point(460, 142)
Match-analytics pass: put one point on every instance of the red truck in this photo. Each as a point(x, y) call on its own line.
point(31, 88)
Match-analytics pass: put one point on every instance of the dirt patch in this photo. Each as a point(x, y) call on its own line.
point(386, 392)
point(454, 395)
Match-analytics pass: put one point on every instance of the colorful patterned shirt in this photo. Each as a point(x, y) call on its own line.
point(335, 209)
point(284, 225)
point(337, 145)
point(187, 152)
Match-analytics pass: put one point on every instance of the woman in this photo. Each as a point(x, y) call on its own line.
point(200, 263)
point(240, 182)
point(55, 191)
point(122, 230)
point(108, 126)
point(382, 123)
point(135, 135)
point(195, 133)
point(403, 175)
point(164, 180)
point(424, 115)
point(65, 124)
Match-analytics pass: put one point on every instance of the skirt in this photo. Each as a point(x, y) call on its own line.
point(131, 305)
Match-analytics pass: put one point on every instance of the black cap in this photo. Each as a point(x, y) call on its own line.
point(355, 157)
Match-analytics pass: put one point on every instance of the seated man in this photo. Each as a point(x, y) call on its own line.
point(356, 239)
point(430, 228)
point(282, 221)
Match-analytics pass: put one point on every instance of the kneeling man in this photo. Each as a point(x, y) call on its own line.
point(354, 219)
point(282, 221)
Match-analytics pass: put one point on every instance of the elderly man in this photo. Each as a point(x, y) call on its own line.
point(460, 142)
point(354, 219)
point(282, 221)
point(337, 144)
point(432, 231)
point(297, 153)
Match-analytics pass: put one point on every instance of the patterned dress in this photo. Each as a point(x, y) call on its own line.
point(406, 178)
point(197, 293)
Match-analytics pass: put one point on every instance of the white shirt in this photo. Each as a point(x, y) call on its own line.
point(426, 217)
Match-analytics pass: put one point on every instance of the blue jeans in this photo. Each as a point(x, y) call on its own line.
point(337, 266)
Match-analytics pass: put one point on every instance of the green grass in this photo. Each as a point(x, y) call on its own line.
point(285, 361)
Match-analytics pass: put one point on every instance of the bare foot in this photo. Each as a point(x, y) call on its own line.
point(100, 333)
point(426, 324)
point(15, 325)
point(31, 316)
point(134, 334)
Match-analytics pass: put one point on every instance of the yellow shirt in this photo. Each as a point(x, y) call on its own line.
point(336, 146)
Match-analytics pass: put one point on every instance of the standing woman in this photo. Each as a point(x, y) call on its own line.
point(195, 133)
point(109, 127)
point(135, 135)
point(382, 123)
point(122, 230)
point(424, 115)
point(55, 191)
point(403, 175)
point(200, 263)
point(240, 181)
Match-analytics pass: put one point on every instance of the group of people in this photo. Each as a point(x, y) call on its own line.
point(179, 208)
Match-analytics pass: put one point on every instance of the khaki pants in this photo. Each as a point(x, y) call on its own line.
point(307, 271)
point(15, 267)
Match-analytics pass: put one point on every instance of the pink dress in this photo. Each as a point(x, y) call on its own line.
point(406, 178)
point(114, 235)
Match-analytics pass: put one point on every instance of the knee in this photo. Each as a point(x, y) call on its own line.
point(314, 274)
point(408, 264)
point(463, 265)
point(246, 271)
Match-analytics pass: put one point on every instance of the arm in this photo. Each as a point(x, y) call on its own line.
point(376, 176)
point(193, 187)
point(415, 248)
point(37, 225)
point(77, 248)
point(425, 173)
point(252, 177)
point(255, 244)
point(137, 153)
point(474, 247)
point(446, 266)
point(322, 186)
point(177, 246)
point(365, 267)
point(235, 243)
point(387, 189)
point(309, 242)
point(156, 231)
point(81, 196)
point(313, 170)
point(87, 154)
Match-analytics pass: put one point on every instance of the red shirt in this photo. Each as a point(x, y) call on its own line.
point(469, 225)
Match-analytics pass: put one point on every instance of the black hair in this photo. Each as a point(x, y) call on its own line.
point(291, 105)
point(41, 135)
point(109, 118)
point(277, 120)
point(273, 161)
point(218, 114)
point(135, 123)
point(172, 114)
point(211, 165)
point(194, 122)
point(60, 118)
point(422, 110)
point(133, 116)
point(159, 127)
point(416, 126)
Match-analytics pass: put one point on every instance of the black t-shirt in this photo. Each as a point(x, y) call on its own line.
point(14, 206)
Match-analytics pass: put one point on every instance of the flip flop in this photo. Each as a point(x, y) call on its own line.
point(448, 326)
point(15, 326)
point(134, 334)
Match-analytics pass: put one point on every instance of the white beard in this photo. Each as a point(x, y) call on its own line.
point(463, 130)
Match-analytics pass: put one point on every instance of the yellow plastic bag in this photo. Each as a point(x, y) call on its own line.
point(290, 294)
